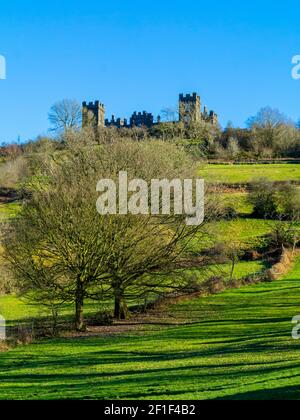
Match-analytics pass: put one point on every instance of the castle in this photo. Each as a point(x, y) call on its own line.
point(189, 112)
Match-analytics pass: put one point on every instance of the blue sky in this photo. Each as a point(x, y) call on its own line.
point(136, 55)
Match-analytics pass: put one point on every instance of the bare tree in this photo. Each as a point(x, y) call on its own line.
point(270, 129)
point(169, 114)
point(65, 115)
point(62, 249)
point(267, 118)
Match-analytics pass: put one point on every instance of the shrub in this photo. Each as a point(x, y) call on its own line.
point(13, 172)
point(289, 201)
point(283, 236)
point(214, 285)
point(263, 198)
point(273, 201)
point(229, 213)
point(24, 335)
point(101, 318)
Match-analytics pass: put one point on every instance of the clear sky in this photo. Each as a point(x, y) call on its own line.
point(136, 55)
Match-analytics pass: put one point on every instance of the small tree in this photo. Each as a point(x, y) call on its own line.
point(273, 201)
point(233, 247)
point(233, 149)
point(65, 115)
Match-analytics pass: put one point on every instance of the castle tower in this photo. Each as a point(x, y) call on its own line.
point(189, 108)
point(213, 118)
point(94, 114)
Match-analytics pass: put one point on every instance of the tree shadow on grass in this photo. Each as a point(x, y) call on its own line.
point(155, 383)
point(284, 393)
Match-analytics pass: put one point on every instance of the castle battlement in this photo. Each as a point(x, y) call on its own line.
point(189, 111)
point(188, 97)
point(93, 113)
point(91, 105)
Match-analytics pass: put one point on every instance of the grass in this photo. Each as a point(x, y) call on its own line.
point(242, 229)
point(242, 269)
point(238, 201)
point(8, 211)
point(15, 309)
point(236, 345)
point(243, 174)
point(245, 231)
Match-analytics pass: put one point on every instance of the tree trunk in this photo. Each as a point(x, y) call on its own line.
point(232, 269)
point(121, 310)
point(54, 321)
point(79, 320)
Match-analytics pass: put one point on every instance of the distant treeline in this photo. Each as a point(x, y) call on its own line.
point(269, 135)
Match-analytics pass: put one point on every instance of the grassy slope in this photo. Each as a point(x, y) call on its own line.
point(240, 174)
point(242, 269)
point(239, 201)
point(247, 231)
point(238, 345)
point(15, 309)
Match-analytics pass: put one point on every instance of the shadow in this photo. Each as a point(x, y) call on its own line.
point(285, 393)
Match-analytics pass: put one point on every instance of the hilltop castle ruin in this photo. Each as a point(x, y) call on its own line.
point(189, 111)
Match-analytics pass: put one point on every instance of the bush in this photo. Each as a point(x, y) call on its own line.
point(289, 202)
point(263, 198)
point(229, 213)
point(101, 318)
point(13, 172)
point(214, 285)
point(283, 236)
point(271, 201)
point(24, 335)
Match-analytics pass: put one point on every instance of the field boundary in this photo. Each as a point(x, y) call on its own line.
point(245, 186)
point(255, 162)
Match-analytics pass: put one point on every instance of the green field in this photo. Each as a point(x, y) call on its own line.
point(243, 174)
point(238, 201)
point(246, 232)
point(15, 309)
point(242, 269)
point(236, 345)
